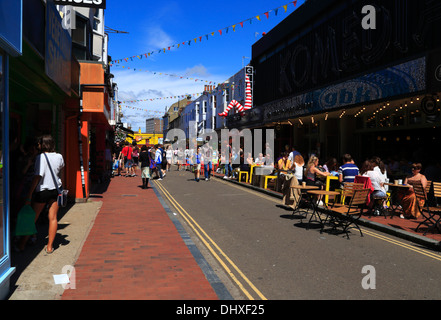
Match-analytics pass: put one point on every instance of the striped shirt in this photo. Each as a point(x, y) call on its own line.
point(349, 171)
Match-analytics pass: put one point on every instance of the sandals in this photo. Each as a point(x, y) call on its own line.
point(48, 252)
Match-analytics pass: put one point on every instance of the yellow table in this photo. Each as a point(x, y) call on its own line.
point(328, 186)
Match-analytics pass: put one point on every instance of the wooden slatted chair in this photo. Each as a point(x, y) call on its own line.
point(348, 190)
point(347, 216)
point(431, 214)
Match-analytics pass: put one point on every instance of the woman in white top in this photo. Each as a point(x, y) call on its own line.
point(45, 187)
point(377, 180)
point(380, 168)
point(169, 156)
point(297, 167)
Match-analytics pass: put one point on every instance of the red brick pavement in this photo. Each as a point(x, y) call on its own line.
point(134, 252)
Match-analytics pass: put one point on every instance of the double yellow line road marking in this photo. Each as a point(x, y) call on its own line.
point(402, 244)
point(232, 270)
point(240, 280)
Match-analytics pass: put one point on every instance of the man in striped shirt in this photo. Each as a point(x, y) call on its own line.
point(348, 170)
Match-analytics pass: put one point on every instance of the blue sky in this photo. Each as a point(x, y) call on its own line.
point(155, 25)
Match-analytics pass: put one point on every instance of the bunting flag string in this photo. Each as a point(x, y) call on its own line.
point(219, 89)
point(188, 42)
point(163, 98)
point(166, 74)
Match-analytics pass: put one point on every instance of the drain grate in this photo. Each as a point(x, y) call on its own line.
point(129, 195)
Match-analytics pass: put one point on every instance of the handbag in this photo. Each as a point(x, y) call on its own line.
point(25, 225)
point(62, 194)
point(152, 162)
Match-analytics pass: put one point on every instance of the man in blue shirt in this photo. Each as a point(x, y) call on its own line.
point(348, 170)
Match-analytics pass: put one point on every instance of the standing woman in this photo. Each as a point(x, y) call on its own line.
point(135, 157)
point(43, 184)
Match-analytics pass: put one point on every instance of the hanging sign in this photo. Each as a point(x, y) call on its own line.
point(58, 50)
point(83, 3)
point(11, 27)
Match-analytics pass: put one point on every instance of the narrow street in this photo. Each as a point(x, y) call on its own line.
point(264, 252)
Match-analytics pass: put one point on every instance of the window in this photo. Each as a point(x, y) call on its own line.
point(79, 33)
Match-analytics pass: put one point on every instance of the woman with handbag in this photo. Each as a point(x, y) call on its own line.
point(47, 186)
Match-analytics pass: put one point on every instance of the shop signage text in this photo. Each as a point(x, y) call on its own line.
point(342, 48)
point(402, 79)
point(83, 3)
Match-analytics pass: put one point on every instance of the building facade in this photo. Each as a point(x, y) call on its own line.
point(54, 79)
point(328, 86)
point(11, 31)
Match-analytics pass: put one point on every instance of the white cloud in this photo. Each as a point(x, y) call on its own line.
point(165, 90)
point(157, 38)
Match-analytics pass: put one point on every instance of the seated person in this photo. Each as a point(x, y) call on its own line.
point(268, 160)
point(260, 159)
point(283, 165)
point(407, 196)
point(312, 172)
point(348, 171)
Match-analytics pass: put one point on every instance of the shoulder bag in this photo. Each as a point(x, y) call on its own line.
point(62, 194)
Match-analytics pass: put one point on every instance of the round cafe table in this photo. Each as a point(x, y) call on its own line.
point(318, 193)
point(302, 192)
point(396, 187)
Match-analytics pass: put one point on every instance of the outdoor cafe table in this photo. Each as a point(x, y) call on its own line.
point(314, 203)
point(396, 188)
point(261, 171)
point(303, 190)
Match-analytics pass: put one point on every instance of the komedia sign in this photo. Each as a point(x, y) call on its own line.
point(83, 3)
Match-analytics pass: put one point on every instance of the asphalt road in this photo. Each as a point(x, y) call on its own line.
point(260, 251)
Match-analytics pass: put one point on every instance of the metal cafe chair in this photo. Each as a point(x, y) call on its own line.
point(431, 214)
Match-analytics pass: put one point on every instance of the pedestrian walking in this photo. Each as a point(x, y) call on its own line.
point(117, 158)
point(207, 151)
point(144, 160)
point(197, 164)
point(164, 160)
point(135, 157)
point(43, 190)
point(127, 154)
point(169, 157)
point(158, 161)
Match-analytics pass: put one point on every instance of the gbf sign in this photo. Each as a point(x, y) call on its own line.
point(83, 3)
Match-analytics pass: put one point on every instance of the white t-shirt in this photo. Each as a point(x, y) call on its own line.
point(298, 171)
point(376, 180)
point(42, 169)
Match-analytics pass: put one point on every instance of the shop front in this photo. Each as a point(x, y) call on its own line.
point(330, 87)
point(10, 45)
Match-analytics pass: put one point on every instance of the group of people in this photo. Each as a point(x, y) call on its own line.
point(377, 172)
point(152, 161)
